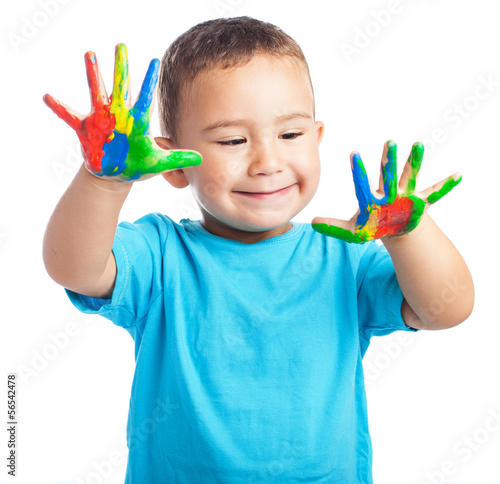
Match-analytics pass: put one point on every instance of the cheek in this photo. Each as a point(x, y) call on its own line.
point(215, 178)
point(310, 169)
point(309, 178)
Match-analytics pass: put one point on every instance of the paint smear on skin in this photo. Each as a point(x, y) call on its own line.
point(96, 129)
point(449, 185)
point(393, 214)
point(116, 141)
point(338, 233)
point(389, 172)
point(397, 218)
point(362, 187)
point(95, 132)
point(116, 149)
point(131, 152)
point(415, 161)
point(120, 94)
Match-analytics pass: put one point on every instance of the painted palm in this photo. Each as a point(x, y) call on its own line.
point(115, 138)
point(395, 209)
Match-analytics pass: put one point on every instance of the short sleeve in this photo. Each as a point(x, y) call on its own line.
point(379, 295)
point(137, 250)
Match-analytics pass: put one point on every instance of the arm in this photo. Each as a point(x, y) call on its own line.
point(118, 149)
point(80, 234)
point(433, 277)
point(435, 281)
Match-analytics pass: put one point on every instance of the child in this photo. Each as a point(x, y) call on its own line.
point(249, 328)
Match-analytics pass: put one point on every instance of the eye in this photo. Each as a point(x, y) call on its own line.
point(232, 142)
point(290, 136)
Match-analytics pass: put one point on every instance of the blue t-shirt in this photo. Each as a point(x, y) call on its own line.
point(248, 356)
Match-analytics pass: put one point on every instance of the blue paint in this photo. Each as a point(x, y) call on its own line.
point(147, 90)
point(362, 187)
point(115, 154)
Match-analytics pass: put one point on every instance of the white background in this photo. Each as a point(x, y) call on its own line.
point(430, 69)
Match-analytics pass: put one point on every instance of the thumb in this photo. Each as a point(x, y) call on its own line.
point(345, 224)
point(172, 158)
point(339, 229)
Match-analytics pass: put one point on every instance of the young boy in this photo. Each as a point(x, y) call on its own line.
point(249, 328)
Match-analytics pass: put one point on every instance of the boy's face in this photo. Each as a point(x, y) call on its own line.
point(254, 127)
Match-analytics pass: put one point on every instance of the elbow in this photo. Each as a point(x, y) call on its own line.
point(49, 257)
point(460, 308)
point(59, 271)
point(448, 312)
point(452, 319)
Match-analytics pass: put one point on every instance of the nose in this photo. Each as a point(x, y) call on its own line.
point(265, 158)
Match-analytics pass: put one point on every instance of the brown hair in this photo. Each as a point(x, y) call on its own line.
point(222, 43)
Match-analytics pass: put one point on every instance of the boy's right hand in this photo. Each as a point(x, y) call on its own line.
point(116, 140)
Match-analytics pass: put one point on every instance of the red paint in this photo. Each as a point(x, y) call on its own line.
point(97, 128)
point(98, 96)
point(61, 110)
point(393, 219)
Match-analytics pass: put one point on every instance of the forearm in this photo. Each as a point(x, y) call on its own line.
point(80, 234)
point(433, 277)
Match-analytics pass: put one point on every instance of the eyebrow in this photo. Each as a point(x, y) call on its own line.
point(292, 116)
point(226, 123)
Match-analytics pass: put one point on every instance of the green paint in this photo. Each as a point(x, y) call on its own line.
point(415, 161)
point(338, 233)
point(144, 157)
point(394, 214)
point(449, 185)
point(389, 173)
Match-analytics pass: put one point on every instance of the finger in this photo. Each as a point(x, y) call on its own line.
point(362, 187)
point(335, 228)
point(121, 79)
point(174, 159)
point(344, 224)
point(72, 118)
point(388, 174)
point(98, 94)
point(145, 98)
point(439, 190)
point(409, 177)
point(159, 161)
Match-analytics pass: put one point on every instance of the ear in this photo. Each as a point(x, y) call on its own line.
point(176, 178)
point(320, 130)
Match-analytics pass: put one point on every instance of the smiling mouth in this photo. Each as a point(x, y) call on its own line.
point(267, 195)
point(264, 193)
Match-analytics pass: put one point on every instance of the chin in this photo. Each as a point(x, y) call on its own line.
point(265, 225)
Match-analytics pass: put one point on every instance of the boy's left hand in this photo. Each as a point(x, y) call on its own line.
point(395, 209)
